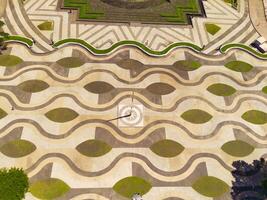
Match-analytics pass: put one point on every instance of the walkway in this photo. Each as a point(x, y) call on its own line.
point(34, 12)
point(257, 16)
point(2, 7)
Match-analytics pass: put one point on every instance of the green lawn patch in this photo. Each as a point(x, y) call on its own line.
point(212, 28)
point(220, 89)
point(210, 186)
point(160, 88)
point(61, 115)
point(187, 65)
point(264, 89)
point(255, 117)
point(239, 66)
point(49, 188)
point(99, 87)
point(33, 86)
point(46, 26)
point(9, 60)
point(93, 148)
point(17, 148)
point(237, 148)
point(167, 148)
point(232, 2)
point(127, 187)
point(70, 62)
point(196, 116)
point(2, 113)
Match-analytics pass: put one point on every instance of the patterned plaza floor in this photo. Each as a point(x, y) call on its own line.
point(187, 120)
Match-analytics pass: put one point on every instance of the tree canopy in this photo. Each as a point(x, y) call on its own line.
point(250, 180)
point(13, 184)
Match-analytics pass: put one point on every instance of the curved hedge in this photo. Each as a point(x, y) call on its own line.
point(227, 47)
point(139, 45)
point(20, 39)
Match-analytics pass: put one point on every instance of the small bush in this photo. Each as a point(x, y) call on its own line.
point(13, 184)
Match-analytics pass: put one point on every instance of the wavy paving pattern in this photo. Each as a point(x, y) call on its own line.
point(58, 121)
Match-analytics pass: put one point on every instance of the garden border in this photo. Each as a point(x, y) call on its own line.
point(131, 43)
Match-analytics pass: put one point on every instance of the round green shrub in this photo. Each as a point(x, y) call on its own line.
point(13, 184)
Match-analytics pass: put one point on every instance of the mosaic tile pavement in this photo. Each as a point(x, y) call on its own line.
point(89, 96)
point(95, 123)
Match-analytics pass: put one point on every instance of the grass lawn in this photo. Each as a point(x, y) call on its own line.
point(61, 115)
point(46, 26)
point(187, 65)
point(167, 148)
point(239, 66)
point(98, 87)
point(237, 148)
point(196, 116)
point(255, 117)
point(264, 89)
point(2, 113)
point(212, 28)
point(93, 148)
point(49, 188)
point(17, 148)
point(9, 60)
point(127, 187)
point(160, 88)
point(33, 86)
point(220, 89)
point(210, 186)
point(70, 62)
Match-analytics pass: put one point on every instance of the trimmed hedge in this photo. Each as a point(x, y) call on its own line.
point(139, 45)
point(227, 47)
point(18, 38)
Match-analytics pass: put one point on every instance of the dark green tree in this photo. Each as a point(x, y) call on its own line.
point(13, 184)
point(250, 180)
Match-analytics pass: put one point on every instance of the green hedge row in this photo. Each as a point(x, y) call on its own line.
point(18, 38)
point(145, 49)
point(243, 47)
point(127, 43)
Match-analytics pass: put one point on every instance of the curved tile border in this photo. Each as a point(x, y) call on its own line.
point(162, 123)
point(82, 172)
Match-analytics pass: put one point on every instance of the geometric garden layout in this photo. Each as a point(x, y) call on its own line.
point(99, 110)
